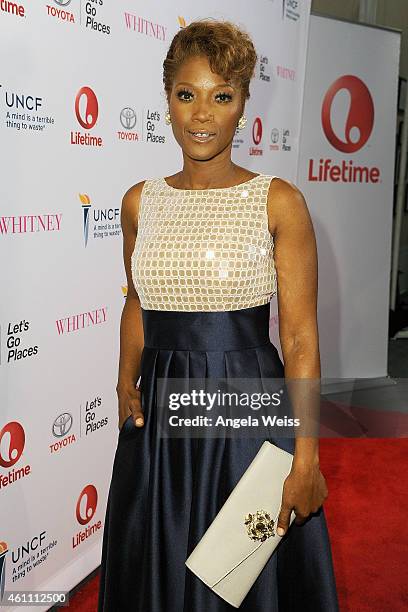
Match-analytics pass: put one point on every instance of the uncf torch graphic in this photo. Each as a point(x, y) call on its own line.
point(3, 552)
point(86, 205)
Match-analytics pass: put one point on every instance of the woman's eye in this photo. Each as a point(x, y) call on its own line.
point(186, 96)
point(225, 97)
point(183, 95)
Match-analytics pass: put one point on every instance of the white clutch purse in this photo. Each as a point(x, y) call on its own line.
point(242, 537)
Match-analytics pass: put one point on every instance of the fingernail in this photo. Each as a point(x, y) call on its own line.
point(139, 421)
point(281, 531)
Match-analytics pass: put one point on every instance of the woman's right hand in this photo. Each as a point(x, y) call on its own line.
point(130, 403)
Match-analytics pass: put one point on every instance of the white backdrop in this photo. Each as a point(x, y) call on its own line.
point(81, 120)
point(349, 117)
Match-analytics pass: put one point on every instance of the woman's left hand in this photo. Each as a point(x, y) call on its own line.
point(304, 491)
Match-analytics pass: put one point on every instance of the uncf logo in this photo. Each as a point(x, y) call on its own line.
point(86, 504)
point(86, 107)
point(12, 441)
point(360, 118)
point(257, 131)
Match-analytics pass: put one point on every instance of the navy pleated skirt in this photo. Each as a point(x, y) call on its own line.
point(165, 492)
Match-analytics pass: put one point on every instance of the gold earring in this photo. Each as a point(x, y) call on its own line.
point(167, 117)
point(242, 122)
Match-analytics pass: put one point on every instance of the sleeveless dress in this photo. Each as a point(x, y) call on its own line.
point(204, 271)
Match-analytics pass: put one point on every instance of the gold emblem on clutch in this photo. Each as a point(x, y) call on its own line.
point(260, 526)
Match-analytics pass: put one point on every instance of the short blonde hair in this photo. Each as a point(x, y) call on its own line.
point(229, 49)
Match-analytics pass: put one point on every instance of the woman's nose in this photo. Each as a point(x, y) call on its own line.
point(202, 112)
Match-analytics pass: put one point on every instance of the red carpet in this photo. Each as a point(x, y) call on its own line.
point(366, 513)
point(367, 516)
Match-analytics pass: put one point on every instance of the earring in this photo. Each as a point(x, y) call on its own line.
point(242, 122)
point(167, 117)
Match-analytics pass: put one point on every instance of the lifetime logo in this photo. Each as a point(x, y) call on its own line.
point(257, 131)
point(13, 8)
point(85, 511)
point(358, 126)
point(256, 137)
point(86, 111)
point(12, 442)
point(86, 504)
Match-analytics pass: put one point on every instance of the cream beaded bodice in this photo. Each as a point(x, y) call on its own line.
point(204, 249)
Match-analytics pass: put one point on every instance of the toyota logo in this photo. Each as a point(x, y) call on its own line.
point(128, 118)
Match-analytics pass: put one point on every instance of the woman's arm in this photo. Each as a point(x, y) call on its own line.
point(131, 324)
point(295, 255)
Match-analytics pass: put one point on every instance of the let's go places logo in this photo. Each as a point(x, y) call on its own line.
point(87, 14)
point(347, 118)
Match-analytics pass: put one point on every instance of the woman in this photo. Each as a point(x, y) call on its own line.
point(212, 242)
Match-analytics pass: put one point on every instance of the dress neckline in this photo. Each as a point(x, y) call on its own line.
point(254, 178)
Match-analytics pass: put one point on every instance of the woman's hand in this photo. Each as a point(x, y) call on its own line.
point(130, 403)
point(304, 491)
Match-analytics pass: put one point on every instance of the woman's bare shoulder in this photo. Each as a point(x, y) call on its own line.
point(286, 203)
point(132, 195)
point(130, 203)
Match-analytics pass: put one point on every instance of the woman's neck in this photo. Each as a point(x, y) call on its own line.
point(196, 177)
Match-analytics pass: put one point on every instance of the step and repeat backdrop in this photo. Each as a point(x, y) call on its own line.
point(81, 120)
point(346, 172)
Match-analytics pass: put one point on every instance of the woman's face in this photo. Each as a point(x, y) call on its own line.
point(201, 101)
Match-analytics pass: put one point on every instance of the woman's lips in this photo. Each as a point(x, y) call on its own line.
point(198, 138)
